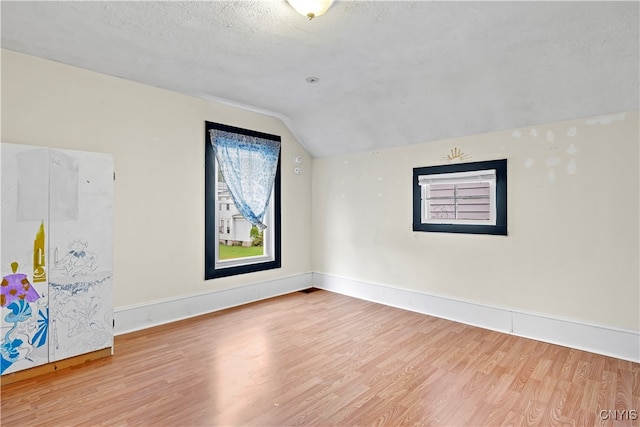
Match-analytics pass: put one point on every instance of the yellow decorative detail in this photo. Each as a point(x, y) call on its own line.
point(39, 272)
point(457, 153)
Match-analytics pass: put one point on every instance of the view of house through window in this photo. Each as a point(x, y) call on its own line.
point(237, 237)
point(459, 198)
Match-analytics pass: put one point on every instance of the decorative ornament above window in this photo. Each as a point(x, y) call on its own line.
point(310, 8)
point(456, 154)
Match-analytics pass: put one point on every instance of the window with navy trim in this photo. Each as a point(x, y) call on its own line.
point(461, 198)
point(242, 201)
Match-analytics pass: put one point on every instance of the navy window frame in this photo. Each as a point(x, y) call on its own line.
point(500, 228)
point(210, 227)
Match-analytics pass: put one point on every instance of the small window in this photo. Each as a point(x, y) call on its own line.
point(461, 198)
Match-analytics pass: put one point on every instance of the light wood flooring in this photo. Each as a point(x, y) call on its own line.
point(325, 359)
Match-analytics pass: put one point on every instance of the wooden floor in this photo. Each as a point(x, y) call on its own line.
point(325, 359)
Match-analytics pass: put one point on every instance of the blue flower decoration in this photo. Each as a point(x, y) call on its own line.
point(40, 337)
point(20, 311)
point(9, 353)
point(4, 363)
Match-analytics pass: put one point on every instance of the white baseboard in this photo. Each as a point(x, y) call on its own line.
point(137, 317)
point(618, 343)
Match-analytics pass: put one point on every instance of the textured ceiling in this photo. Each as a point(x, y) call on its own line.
point(390, 73)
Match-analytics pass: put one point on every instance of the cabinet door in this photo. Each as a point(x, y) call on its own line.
point(24, 176)
point(81, 253)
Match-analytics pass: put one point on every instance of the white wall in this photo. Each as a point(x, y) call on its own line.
point(157, 140)
point(573, 221)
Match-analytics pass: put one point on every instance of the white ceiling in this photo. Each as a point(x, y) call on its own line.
point(390, 73)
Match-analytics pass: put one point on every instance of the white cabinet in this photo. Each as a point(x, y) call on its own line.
point(56, 255)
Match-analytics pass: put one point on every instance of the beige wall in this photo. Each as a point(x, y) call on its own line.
point(573, 220)
point(572, 249)
point(157, 140)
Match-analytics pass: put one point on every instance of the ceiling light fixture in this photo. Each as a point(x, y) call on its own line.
point(310, 8)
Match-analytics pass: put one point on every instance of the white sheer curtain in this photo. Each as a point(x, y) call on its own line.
point(248, 165)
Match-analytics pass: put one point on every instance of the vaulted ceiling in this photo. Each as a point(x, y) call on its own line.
point(389, 73)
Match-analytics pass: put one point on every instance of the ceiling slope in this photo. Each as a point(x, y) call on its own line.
point(390, 73)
